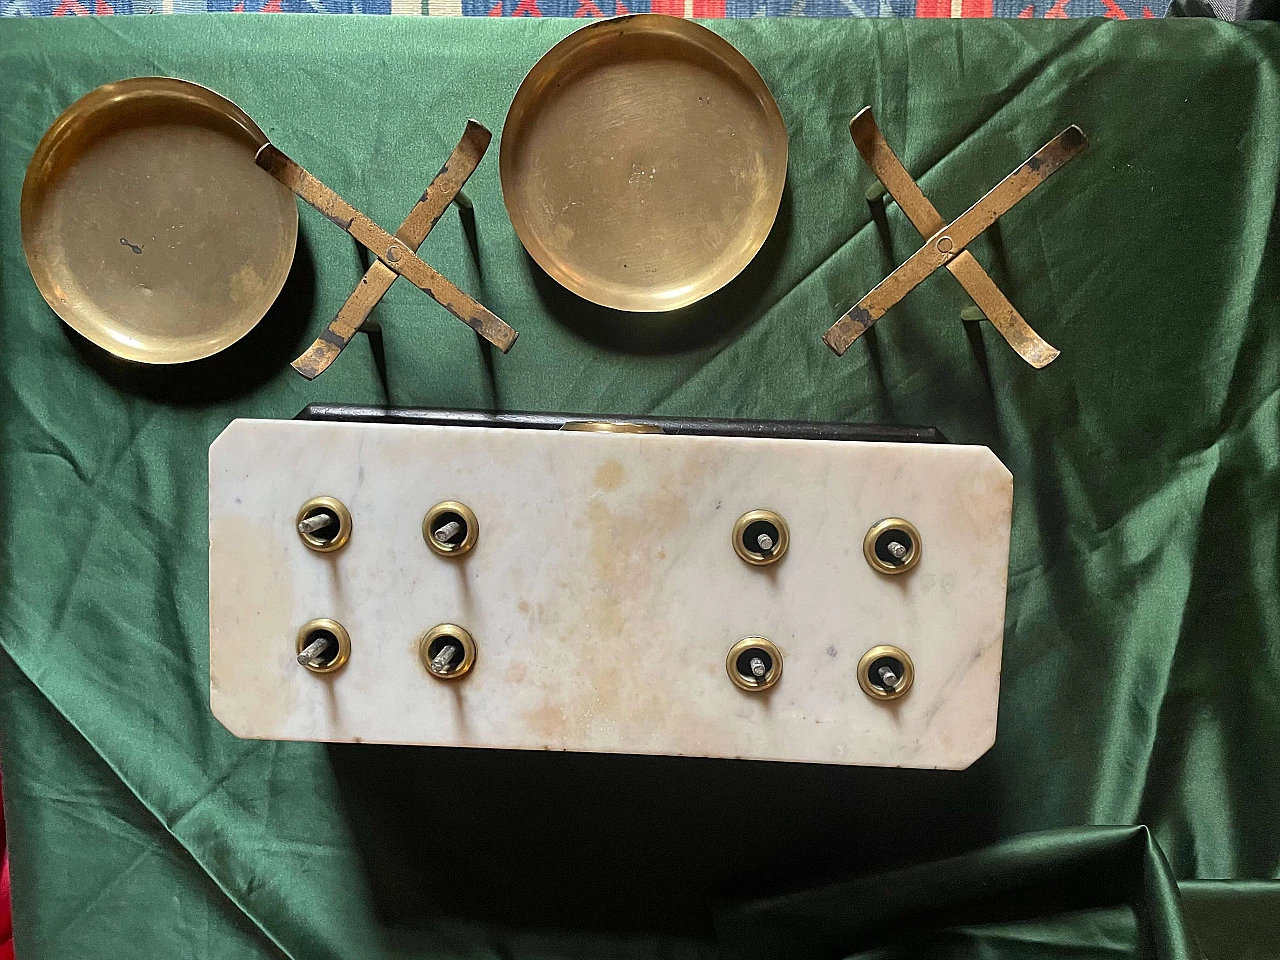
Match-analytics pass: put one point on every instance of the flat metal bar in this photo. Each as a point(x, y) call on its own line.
point(674, 426)
point(946, 244)
point(426, 213)
point(893, 176)
point(392, 252)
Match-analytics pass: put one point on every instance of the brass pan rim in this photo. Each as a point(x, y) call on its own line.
point(38, 178)
point(559, 59)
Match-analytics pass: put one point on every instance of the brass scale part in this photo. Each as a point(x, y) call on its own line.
point(396, 255)
point(468, 645)
point(469, 521)
point(669, 156)
point(945, 243)
point(112, 230)
point(461, 637)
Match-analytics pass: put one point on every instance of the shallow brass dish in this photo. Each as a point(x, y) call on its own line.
point(643, 162)
point(147, 226)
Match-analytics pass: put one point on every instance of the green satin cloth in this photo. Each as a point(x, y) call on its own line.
point(1142, 652)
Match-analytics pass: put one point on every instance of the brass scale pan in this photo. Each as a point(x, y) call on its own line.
point(643, 161)
point(642, 164)
point(147, 226)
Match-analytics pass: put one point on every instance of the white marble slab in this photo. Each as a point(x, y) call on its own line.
point(604, 592)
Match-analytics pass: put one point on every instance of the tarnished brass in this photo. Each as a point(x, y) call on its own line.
point(308, 633)
point(393, 252)
point(323, 541)
point(753, 553)
point(609, 426)
point(436, 518)
point(878, 688)
point(741, 674)
point(991, 302)
point(146, 225)
point(946, 243)
point(643, 161)
point(426, 213)
point(437, 637)
point(888, 563)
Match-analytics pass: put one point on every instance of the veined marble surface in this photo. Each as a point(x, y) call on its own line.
point(604, 592)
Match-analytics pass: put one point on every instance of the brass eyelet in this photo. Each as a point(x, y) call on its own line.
point(313, 629)
point(439, 517)
point(750, 526)
point(881, 540)
point(324, 539)
point(883, 686)
point(740, 666)
point(433, 643)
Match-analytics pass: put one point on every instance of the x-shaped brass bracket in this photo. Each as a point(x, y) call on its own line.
point(397, 256)
point(945, 243)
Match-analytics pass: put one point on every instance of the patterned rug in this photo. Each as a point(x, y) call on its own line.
point(1050, 9)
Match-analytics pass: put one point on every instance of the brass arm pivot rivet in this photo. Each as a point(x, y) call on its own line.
point(447, 651)
point(761, 537)
point(892, 546)
point(754, 664)
point(886, 672)
point(324, 524)
point(450, 528)
point(323, 645)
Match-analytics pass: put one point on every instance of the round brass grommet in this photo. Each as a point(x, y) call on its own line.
point(324, 524)
point(327, 659)
point(609, 426)
point(754, 664)
point(757, 530)
point(892, 546)
point(886, 672)
point(450, 528)
point(447, 651)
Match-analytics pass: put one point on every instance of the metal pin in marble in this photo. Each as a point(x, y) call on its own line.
point(314, 650)
point(311, 524)
point(440, 663)
point(448, 531)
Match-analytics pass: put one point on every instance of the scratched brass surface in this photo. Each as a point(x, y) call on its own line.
point(377, 280)
point(391, 251)
point(147, 226)
point(642, 162)
point(948, 242)
point(993, 304)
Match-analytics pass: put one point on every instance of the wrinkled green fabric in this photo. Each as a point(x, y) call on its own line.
point(1032, 875)
point(1142, 656)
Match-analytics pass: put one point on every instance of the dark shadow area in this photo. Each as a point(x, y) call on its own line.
point(241, 368)
point(628, 843)
point(880, 217)
point(377, 347)
point(720, 315)
point(1024, 879)
point(467, 215)
point(999, 252)
point(978, 346)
